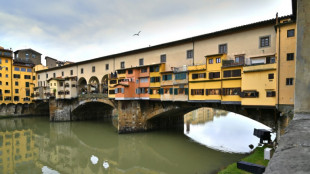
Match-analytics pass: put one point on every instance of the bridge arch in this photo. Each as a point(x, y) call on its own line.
point(104, 84)
point(93, 84)
point(82, 86)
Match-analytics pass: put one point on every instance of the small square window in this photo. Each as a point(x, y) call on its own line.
point(218, 60)
point(223, 48)
point(264, 41)
point(122, 64)
point(54, 75)
point(106, 66)
point(141, 62)
point(210, 61)
point(16, 91)
point(290, 56)
point(6, 61)
point(289, 81)
point(291, 33)
point(163, 58)
point(271, 76)
point(189, 54)
point(16, 83)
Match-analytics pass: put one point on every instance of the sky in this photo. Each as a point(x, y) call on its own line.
point(77, 30)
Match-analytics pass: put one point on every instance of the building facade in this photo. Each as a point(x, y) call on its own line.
point(28, 56)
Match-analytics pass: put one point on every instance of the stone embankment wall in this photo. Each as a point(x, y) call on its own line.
point(16, 110)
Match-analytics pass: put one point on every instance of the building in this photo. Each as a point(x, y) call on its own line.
point(28, 56)
point(6, 57)
point(52, 63)
point(237, 66)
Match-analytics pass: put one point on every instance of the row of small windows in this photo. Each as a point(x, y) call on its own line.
point(22, 69)
point(6, 61)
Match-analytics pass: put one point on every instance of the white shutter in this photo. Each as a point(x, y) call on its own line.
point(122, 90)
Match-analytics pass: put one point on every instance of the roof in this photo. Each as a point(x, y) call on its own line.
point(28, 49)
point(178, 42)
point(143, 66)
point(47, 57)
point(57, 78)
point(213, 55)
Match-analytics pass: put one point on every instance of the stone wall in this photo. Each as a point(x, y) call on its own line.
point(16, 110)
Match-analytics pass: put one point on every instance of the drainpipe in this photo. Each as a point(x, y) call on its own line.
point(279, 68)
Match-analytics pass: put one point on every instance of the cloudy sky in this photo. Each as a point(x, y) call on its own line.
point(77, 30)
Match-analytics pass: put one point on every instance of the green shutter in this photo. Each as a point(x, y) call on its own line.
point(175, 91)
point(186, 91)
point(171, 90)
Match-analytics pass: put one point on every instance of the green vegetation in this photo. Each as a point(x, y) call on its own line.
point(256, 157)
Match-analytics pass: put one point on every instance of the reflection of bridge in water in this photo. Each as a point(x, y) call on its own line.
point(67, 148)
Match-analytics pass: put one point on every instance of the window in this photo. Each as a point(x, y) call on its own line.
point(213, 75)
point(0, 74)
point(106, 66)
point(223, 48)
point(71, 72)
point(270, 76)
point(27, 84)
point(232, 73)
point(231, 91)
point(27, 56)
point(144, 80)
point(180, 76)
point(93, 69)
point(121, 72)
point(6, 61)
point(16, 98)
point(289, 81)
point(61, 84)
point(33, 56)
point(33, 77)
point(16, 91)
point(163, 58)
point(189, 54)
point(213, 91)
point(29, 70)
point(27, 92)
point(155, 79)
point(122, 64)
point(200, 75)
point(112, 91)
point(143, 70)
point(167, 77)
point(130, 71)
point(16, 76)
point(38, 77)
point(290, 56)
point(0, 82)
point(264, 41)
point(6, 76)
point(291, 33)
point(218, 60)
point(210, 61)
point(7, 83)
point(16, 69)
point(46, 75)
point(227, 73)
point(7, 91)
point(141, 62)
point(197, 91)
point(62, 73)
point(23, 69)
point(54, 75)
point(27, 77)
point(154, 69)
point(249, 94)
point(270, 93)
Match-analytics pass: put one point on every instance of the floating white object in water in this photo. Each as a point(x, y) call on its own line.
point(94, 159)
point(46, 170)
point(105, 164)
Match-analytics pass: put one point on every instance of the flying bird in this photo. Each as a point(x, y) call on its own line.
point(137, 34)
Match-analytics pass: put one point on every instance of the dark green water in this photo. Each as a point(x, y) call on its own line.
point(34, 145)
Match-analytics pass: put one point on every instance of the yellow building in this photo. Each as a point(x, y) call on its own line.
point(286, 46)
point(155, 78)
point(6, 76)
point(197, 76)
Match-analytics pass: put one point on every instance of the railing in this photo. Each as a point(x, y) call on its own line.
point(232, 63)
point(92, 96)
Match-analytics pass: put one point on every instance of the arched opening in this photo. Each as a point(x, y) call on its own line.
point(104, 84)
point(92, 111)
point(93, 85)
point(82, 86)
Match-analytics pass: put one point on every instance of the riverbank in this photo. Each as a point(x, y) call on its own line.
point(256, 157)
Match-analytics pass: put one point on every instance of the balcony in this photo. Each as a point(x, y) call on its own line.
point(233, 63)
point(259, 67)
point(113, 75)
point(180, 69)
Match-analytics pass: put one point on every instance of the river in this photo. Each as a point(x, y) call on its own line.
point(211, 140)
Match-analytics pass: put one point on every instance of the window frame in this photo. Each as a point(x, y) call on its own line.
point(290, 56)
point(189, 54)
point(288, 33)
point(223, 48)
point(141, 62)
point(260, 41)
point(163, 58)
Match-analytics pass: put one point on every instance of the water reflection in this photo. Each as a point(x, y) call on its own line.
point(222, 130)
point(68, 148)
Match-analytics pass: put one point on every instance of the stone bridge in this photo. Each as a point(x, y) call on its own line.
point(144, 115)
